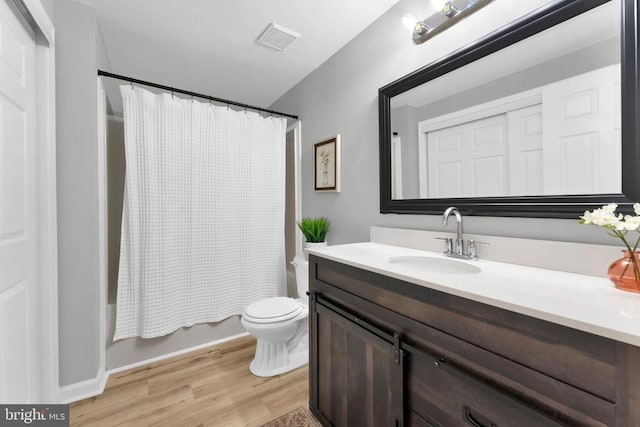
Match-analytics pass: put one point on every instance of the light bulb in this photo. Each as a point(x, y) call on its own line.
point(409, 21)
point(449, 10)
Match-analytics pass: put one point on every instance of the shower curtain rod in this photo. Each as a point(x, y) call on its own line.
point(199, 95)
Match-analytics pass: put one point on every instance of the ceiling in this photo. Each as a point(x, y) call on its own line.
point(209, 46)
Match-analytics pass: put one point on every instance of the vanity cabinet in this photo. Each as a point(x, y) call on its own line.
point(385, 352)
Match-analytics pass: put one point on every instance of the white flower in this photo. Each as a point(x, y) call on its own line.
point(605, 217)
point(630, 223)
point(619, 225)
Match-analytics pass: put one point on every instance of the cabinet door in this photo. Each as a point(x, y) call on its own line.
point(356, 376)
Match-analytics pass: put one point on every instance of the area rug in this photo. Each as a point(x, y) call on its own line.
point(299, 417)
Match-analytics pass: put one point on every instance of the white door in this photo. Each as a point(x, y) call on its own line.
point(469, 160)
point(582, 146)
point(18, 210)
point(525, 151)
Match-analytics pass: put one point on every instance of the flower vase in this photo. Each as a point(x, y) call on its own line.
point(625, 272)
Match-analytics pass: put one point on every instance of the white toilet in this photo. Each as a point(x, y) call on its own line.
point(280, 325)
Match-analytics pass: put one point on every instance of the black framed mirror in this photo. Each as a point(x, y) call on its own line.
point(547, 126)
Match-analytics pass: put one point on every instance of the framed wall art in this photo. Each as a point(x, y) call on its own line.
point(326, 165)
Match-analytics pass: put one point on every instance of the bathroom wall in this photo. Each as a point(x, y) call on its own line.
point(79, 52)
point(116, 168)
point(341, 96)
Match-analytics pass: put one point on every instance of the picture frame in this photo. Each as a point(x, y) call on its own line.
point(326, 165)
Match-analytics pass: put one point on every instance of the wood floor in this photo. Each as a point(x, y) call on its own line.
point(210, 387)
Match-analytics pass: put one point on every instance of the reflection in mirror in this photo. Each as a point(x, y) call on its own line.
point(540, 117)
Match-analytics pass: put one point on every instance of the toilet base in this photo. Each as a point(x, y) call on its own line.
point(275, 358)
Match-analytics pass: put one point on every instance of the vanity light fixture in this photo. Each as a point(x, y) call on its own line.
point(448, 13)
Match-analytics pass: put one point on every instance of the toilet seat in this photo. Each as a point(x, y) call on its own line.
point(272, 310)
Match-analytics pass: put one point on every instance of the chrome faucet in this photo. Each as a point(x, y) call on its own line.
point(457, 249)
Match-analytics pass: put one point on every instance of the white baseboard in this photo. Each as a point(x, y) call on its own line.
point(84, 389)
point(175, 353)
point(95, 386)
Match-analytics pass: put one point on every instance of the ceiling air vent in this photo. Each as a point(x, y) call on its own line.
point(277, 37)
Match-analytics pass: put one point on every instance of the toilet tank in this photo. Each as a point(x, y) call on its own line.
point(302, 275)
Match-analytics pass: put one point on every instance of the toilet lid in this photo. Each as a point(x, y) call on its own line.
point(271, 310)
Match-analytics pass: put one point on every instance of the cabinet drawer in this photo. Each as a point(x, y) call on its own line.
point(415, 420)
point(443, 395)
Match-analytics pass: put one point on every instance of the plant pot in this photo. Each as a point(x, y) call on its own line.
point(310, 245)
point(625, 272)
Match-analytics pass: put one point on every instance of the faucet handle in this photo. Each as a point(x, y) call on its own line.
point(449, 242)
point(472, 248)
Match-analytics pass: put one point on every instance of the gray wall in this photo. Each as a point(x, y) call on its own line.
point(341, 97)
point(116, 168)
point(404, 122)
point(79, 52)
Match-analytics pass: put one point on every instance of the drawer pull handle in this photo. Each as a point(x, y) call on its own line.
point(474, 421)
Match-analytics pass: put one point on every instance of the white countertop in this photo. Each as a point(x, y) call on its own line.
point(587, 303)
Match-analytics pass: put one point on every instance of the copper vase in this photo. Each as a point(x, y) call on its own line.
point(625, 272)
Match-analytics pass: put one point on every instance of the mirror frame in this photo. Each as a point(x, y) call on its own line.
point(570, 206)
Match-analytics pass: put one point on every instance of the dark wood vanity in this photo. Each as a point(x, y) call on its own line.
point(384, 352)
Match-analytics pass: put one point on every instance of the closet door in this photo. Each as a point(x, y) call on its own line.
point(525, 151)
point(582, 145)
point(469, 160)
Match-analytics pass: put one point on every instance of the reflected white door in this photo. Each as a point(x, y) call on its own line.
point(469, 160)
point(525, 151)
point(18, 210)
point(582, 145)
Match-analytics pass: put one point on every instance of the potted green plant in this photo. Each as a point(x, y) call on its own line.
point(315, 232)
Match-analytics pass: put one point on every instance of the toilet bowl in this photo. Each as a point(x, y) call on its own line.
point(280, 325)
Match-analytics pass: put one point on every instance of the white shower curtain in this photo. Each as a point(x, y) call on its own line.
point(203, 219)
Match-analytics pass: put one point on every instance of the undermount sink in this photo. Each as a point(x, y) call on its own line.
point(436, 265)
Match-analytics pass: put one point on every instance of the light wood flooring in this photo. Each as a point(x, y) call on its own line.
point(209, 387)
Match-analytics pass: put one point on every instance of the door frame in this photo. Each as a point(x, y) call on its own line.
point(297, 142)
point(45, 140)
point(103, 231)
